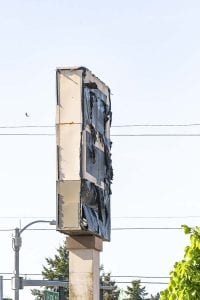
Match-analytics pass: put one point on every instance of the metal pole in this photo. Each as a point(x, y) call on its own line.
point(1, 287)
point(16, 244)
point(16, 248)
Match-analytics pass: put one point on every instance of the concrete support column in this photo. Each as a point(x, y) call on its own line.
point(84, 263)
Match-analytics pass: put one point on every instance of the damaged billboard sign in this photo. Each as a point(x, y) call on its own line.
point(84, 166)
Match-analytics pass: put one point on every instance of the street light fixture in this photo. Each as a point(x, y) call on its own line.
point(16, 244)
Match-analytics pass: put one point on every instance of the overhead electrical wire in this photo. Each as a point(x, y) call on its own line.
point(157, 125)
point(117, 126)
point(127, 282)
point(114, 228)
point(112, 276)
point(143, 282)
point(146, 228)
point(155, 217)
point(113, 135)
point(115, 217)
point(26, 126)
point(157, 135)
point(28, 134)
point(139, 276)
point(21, 217)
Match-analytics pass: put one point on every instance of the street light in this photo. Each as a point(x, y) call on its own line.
point(16, 244)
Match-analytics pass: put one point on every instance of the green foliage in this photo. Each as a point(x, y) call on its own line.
point(184, 281)
point(135, 291)
point(57, 269)
point(156, 297)
point(39, 294)
point(105, 280)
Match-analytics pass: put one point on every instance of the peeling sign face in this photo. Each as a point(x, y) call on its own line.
point(84, 166)
point(97, 167)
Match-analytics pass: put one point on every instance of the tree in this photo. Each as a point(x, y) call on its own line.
point(57, 268)
point(105, 281)
point(184, 281)
point(135, 291)
point(156, 297)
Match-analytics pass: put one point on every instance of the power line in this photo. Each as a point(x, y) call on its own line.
point(147, 228)
point(155, 217)
point(115, 217)
point(117, 228)
point(114, 135)
point(26, 134)
point(143, 282)
point(158, 125)
point(157, 135)
point(26, 126)
point(113, 276)
point(127, 282)
point(135, 276)
point(118, 125)
point(29, 229)
point(32, 274)
point(114, 228)
point(21, 217)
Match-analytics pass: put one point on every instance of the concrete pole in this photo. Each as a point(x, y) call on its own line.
point(84, 263)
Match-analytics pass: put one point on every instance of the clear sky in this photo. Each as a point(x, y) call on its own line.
point(148, 53)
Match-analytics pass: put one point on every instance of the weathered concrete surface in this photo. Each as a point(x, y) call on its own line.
point(84, 252)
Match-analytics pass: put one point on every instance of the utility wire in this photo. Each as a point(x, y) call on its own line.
point(127, 282)
point(114, 228)
point(157, 134)
point(26, 126)
point(114, 135)
point(25, 274)
point(155, 217)
point(143, 282)
point(113, 276)
point(2, 217)
point(24, 134)
point(120, 228)
point(116, 217)
point(146, 228)
point(158, 125)
point(142, 277)
point(118, 126)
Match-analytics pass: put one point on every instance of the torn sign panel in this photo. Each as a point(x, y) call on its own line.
point(83, 140)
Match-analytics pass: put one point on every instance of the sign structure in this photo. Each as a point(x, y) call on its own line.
point(49, 295)
point(84, 167)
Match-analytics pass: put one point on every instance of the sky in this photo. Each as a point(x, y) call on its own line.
point(148, 53)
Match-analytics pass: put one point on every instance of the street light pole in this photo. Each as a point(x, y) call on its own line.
point(16, 247)
point(16, 244)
